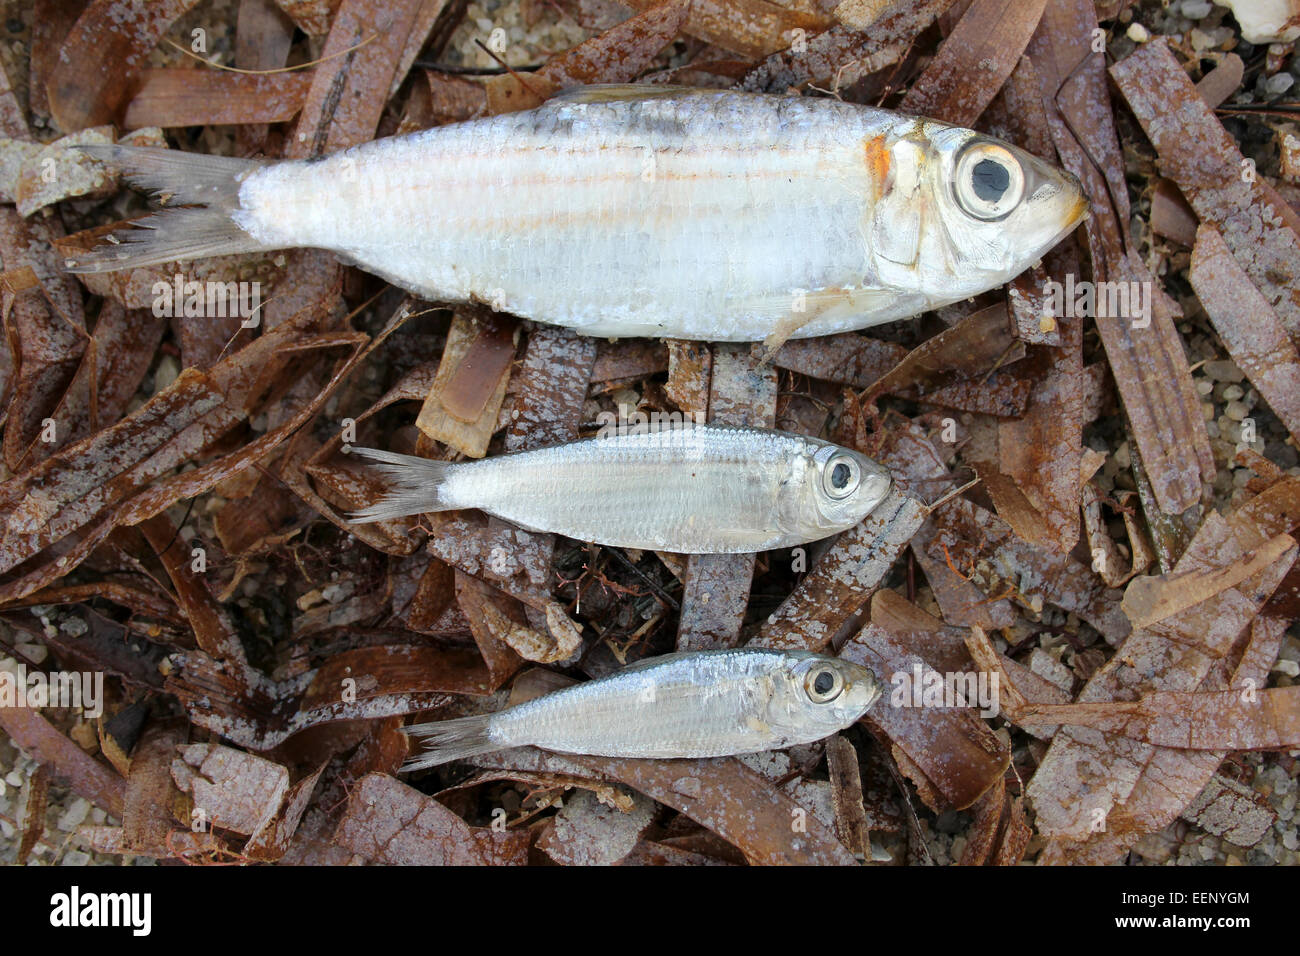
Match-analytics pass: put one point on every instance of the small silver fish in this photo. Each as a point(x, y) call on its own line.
point(695, 704)
point(642, 210)
point(695, 489)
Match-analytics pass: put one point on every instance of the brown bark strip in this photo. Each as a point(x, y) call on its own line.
point(349, 89)
point(388, 822)
point(844, 54)
point(750, 28)
point(844, 578)
point(1036, 451)
point(847, 359)
point(263, 39)
point(1236, 719)
point(179, 96)
point(1251, 331)
point(150, 792)
point(690, 367)
point(1148, 362)
point(70, 764)
point(846, 796)
point(550, 390)
point(38, 802)
point(715, 592)
point(213, 629)
point(974, 61)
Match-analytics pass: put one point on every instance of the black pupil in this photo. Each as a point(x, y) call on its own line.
point(840, 475)
point(823, 683)
point(990, 180)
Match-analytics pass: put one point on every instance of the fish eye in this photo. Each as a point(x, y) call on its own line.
point(823, 684)
point(840, 477)
point(989, 181)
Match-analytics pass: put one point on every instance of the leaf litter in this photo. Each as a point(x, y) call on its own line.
point(1097, 507)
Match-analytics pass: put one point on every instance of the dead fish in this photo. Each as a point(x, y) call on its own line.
point(695, 489)
point(639, 211)
point(694, 704)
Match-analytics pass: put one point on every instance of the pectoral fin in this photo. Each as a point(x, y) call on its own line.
point(824, 305)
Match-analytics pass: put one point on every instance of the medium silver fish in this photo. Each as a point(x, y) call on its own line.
point(695, 489)
point(695, 704)
point(625, 211)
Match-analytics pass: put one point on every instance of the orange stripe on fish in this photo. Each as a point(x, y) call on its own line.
point(878, 160)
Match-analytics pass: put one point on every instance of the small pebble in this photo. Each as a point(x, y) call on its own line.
point(36, 653)
point(73, 626)
point(74, 815)
point(1224, 370)
point(1278, 83)
point(1290, 668)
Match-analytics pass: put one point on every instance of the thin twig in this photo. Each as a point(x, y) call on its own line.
point(282, 69)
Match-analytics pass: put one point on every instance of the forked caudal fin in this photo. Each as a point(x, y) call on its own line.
point(207, 189)
point(443, 741)
point(415, 489)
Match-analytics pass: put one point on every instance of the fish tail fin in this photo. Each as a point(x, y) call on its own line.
point(416, 489)
point(442, 741)
point(205, 187)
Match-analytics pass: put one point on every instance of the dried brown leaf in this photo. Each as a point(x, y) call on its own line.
point(70, 765)
point(750, 28)
point(1143, 347)
point(180, 96)
point(462, 407)
point(389, 822)
point(361, 60)
point(844, 578)
point(1250, 329)
point(1132, 788)
point(974, 61)
point(589, 832)
point(103, 56)
point(953, 756)
point(1196, 152)
point(842, 54)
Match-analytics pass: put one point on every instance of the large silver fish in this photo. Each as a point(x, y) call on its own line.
point(656, 211)
point(696, 489)
point(700, 704)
